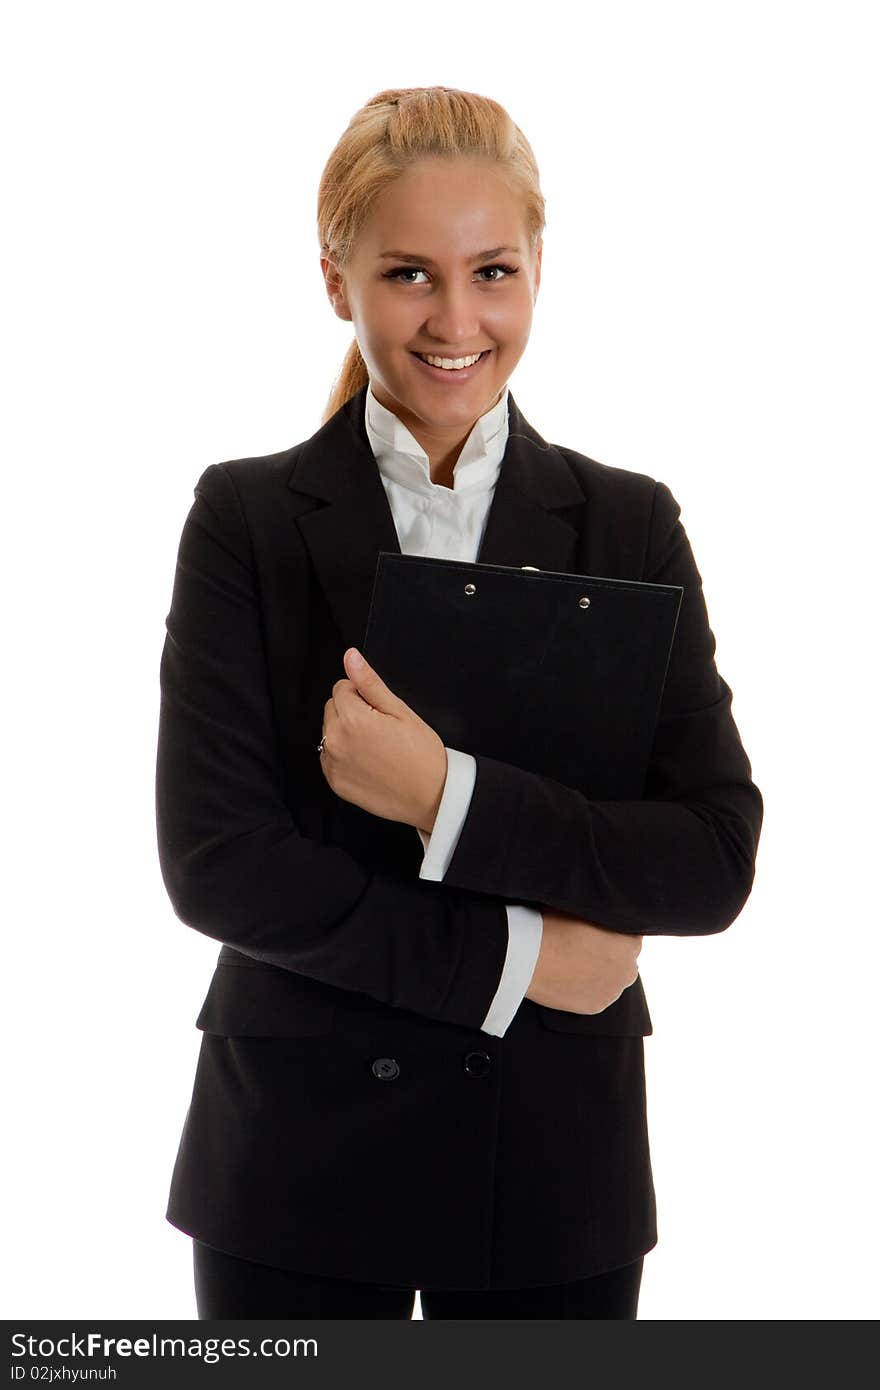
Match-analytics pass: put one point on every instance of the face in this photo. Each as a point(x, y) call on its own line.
point(444, 298)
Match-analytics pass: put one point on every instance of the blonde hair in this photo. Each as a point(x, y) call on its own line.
point(390, 132)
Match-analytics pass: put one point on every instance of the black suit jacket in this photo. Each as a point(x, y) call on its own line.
point(348, 1116)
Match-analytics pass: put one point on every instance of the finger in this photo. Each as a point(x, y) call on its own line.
point(337, 694)
point(349, 701)
point(370, 685)
point(330, 723)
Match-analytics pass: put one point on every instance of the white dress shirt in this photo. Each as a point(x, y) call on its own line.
point(448, 523)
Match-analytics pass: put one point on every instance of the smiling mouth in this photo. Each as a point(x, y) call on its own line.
point(450, 371)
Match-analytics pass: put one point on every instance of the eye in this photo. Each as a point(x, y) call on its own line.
point(417, 270)
point(507, 269)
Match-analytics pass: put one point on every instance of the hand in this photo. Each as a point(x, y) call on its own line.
point(377, 752)
point(582, 968)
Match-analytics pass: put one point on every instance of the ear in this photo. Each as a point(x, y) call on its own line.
point(334, 282)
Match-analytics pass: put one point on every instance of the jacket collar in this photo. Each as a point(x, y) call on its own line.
point(526, 524)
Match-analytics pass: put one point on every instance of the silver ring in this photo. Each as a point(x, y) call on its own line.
point(321, 744)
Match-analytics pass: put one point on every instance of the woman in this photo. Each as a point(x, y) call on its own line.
point(422, 1062)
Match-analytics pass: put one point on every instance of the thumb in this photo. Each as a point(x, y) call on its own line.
point(369, 683)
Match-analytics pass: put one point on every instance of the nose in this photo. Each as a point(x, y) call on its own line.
point(452, 318)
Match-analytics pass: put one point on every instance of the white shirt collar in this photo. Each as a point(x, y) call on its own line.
point(400, 457)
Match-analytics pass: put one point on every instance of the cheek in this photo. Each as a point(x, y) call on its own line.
point(388, 317)
point(510, 322)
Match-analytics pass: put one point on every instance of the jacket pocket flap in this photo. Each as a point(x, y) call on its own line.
point(627, 1017)
point(256, 1000)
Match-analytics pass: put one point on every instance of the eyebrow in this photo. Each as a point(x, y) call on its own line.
point(426, 260)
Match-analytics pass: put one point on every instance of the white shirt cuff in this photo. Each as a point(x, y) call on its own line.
point(439, 845)
point(525, 929)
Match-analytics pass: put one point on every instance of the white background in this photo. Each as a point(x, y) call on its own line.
point(708, 314)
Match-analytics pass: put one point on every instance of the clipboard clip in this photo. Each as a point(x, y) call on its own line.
point(583, 602)
point(471, 589)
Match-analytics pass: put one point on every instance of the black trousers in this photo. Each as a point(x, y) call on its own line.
point(230, 1287)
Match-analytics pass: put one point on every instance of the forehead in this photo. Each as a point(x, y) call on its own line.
point(445, 209)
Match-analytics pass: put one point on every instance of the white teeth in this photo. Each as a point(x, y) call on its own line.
point(450, 363)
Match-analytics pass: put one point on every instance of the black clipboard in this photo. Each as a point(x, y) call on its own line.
point(559, 674)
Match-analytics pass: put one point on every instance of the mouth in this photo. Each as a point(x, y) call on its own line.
point(449, 376)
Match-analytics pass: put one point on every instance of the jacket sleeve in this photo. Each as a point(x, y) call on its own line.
point(681, 860)
point(525, 924)
point(234, 862)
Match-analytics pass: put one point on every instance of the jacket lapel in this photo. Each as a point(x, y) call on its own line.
point(534, 518)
